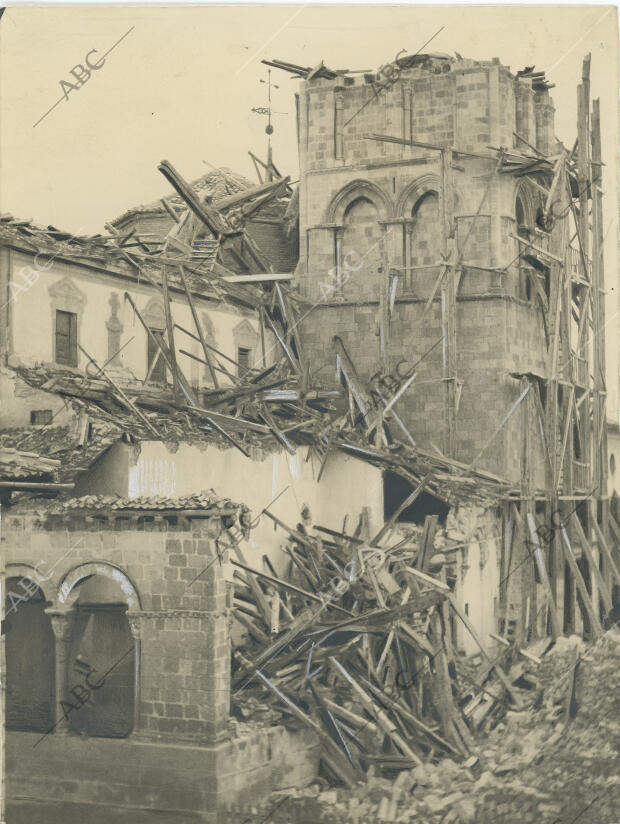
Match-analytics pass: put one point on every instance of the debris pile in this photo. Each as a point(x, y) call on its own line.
point(274, 406)
point(354, 642)
point(20, 465)
point(546, 764)
point(56, 453)
point(271, 408)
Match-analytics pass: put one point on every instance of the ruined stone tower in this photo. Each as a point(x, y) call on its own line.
point(387, 219)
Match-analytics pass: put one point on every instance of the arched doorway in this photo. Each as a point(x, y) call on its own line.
point(30, 661)
point(101, 660)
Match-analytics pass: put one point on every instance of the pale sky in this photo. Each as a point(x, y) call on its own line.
point(182, 83)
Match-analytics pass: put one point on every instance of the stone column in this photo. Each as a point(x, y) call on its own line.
point(338, 290)
point(408, 279)
point(135, 627)
point(62, 626)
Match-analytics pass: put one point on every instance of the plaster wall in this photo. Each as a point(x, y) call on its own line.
point(346, 487)
point(97, 297)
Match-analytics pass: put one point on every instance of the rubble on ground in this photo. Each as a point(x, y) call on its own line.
point(547, 764)
point(354, 642)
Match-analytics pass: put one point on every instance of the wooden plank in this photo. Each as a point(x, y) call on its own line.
point(205, 213)
point(261, 326)
point(441, 685)
point(291, 587)
point(347, 369)
point(387, 409)
point(537, 249)
point(598, 308)
point(212, 348)
point(522, 652)
point(302, 539)
point(170, 210)
point(542, 571)
point(280, 437)
point(494, 665)
point(383, 720)
point(123, 397)
point(431, 524)
point(198, 326)
point(604, 591)
point(289, 355)
point(31, 486)
point(606, 549)
point(345, 774)
point(401, 508)
point(586, 598)
point(349, 716)
point(169, 329)
point(262, 189)
point(567, 429)
point(229, 421)
point(427, 579)
point(187, 390)
point(227, 436)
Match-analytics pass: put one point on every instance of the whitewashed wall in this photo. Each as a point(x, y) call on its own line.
point(347, 485)
point(478, 533)
point(32, 326)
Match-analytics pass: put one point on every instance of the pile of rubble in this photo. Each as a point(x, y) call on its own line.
point(354, 642)
point(552, 763)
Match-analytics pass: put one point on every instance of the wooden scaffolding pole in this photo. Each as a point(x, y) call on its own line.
point(599, 449)
point(448, 301)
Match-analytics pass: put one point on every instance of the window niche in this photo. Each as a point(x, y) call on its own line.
point(155, 319)
point(67, 305)
point(246, 342)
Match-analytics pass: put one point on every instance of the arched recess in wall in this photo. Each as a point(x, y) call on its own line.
point(356, 214)
point(154, 314)
point(41, 574)
point(30, 652)
point(415, 190)
point(66, 595)
point(528, 208)
point(527, 202)
point(350, 193)
point(103, 640)
point(419, 207)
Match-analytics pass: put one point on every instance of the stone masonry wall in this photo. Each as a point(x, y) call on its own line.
point(185, 655)
point(372, 209)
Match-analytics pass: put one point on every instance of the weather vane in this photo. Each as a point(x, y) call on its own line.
point(269, 112)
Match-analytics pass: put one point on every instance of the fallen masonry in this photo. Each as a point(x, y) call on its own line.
point(554, 761)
